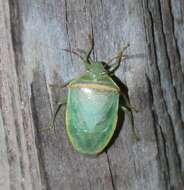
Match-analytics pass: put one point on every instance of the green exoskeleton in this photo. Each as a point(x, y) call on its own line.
point(93, 102)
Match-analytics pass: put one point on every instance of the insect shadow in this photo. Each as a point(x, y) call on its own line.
point(121, 113)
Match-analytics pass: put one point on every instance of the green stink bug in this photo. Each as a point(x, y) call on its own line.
point(93, 103)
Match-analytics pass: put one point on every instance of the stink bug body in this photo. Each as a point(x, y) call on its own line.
point(92, 104)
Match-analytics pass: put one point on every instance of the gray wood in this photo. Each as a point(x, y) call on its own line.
point(19, 166)
point(32, 35)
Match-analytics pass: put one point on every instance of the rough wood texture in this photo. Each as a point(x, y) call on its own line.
point(32, 34)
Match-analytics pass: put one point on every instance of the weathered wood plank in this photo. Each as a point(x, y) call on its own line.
point(31, 58)
point(164, 66)
point(20, 155)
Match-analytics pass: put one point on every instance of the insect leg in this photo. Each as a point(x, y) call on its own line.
point(52, 121)
point(131, 118)
point(91, 43)
point(118, 59)
point(127, 102)
point(82, 54)
point(58, 85)
point(86, 54)
point(128, 109)
point(114, 66)
point(85, 57)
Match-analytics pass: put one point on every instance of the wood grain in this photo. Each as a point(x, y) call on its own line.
point(32, 36)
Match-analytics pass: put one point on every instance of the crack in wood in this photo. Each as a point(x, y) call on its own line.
point(95, 58)
point(176, 54)
point(177, 158)
point(174, 33)
point(101, 2)
point(158, 142)
point(26, 156)
point(14, 98)
point(171, 75)
point(92, 33)
point(67, 29)
point(40, 152)
point(177, 60)
point(110, 170)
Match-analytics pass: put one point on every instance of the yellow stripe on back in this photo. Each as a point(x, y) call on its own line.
point(101, 87)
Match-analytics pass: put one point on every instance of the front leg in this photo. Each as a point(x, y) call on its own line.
point(59, 86)
point(118, 59)
point(114, 66)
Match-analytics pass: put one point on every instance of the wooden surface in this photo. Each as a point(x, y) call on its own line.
point(32, 34)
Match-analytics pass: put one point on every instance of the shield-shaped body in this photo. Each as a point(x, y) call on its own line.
point(91, 114)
